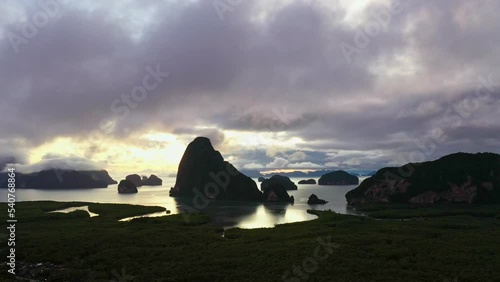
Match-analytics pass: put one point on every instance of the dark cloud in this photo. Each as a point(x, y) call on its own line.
point(11, 156)
point(11, 152)
point(267, 67)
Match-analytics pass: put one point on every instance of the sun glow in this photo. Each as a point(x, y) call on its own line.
point(59, 146)
point(172, 149)
point(249, 139)
point(157, 153)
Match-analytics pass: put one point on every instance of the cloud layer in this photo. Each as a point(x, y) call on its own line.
point(422, 73)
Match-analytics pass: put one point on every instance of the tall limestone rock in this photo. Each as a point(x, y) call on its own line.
point(202, 170)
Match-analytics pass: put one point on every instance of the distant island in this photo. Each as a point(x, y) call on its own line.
point(152, 180)
point(457, 178)
point(132, 181)
point(127, 187)
point(338, 177)
point(74, 179)
point(138, 181)
point(280, 181)
point(60, 179)
point(308, 181)
point(306, 174)
point(314, 200)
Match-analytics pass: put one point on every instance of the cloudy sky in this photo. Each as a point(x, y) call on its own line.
point(126, 85)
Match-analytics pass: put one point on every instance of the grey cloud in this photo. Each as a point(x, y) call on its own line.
point(11, 156)
point(235, 74)
point(215, 135)
point(58, 162)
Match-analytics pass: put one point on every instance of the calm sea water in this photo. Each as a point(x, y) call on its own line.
point(226, 214)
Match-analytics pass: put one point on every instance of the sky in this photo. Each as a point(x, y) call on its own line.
point(295, 85)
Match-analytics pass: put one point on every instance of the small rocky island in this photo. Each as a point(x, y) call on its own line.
point(278, 180)
point(456, 178)
point(338, 177)
point(314, 200)
point(204, 172)
point(60, 179)
point(152, 180)
point(139, 181)
point(134, 178)
point(276, 193)
point(127, 187)
point(308, 181)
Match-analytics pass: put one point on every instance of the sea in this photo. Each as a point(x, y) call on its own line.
point(227, 214)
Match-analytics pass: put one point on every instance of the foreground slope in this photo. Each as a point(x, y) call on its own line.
point(74, 247)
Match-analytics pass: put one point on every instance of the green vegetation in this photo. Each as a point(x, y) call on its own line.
point(119, 211)
point(400, 211)
point(37, 211)
point(464, 246)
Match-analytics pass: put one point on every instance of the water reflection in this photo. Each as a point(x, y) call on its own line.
point(230, 214)
point(225, 214)
point(72, 209)
point(276, 208)
point(154, 214)
point(269, 215)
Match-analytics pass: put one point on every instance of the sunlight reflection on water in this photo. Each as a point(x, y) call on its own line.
point(72, 209)
point(226, 214)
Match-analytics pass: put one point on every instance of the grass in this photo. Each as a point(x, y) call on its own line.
point(400, 211)
point(464, 246)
